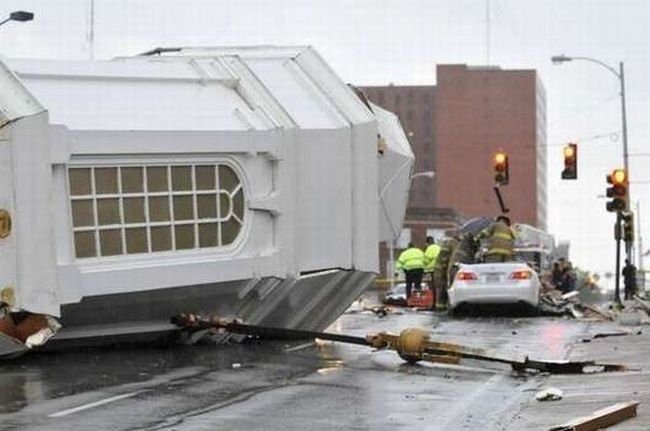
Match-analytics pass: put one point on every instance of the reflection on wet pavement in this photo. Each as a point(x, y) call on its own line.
point(42, 376)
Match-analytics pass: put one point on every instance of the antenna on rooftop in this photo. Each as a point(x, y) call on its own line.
point(487, 32)
point(91, 29)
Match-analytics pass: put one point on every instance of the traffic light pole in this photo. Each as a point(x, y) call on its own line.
point(500, 198)
point(617, 285)
point(621, 77)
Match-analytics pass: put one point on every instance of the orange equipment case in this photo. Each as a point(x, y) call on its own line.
point(424, 298)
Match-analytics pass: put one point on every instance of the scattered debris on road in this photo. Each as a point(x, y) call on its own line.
point(610, 334)
point(20, 331)
point(412, 345)
point(549, 394)
point(642, 304)
point(602, 418)
point(381, 310)
point(554, 303)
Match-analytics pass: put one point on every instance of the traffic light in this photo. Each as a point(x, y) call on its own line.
point(628, 226)
point(501, 168)
point(618, 191)
point(570, 171)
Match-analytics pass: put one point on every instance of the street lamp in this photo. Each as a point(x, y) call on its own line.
point(620, 75)
point(391, 248)
point(19, 15)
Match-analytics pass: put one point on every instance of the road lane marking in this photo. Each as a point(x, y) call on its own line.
point(92, 405)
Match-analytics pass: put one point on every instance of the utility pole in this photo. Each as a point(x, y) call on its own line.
point(641, 270)
point(617, 277)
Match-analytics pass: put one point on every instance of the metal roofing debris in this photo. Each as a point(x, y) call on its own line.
point(15, 100)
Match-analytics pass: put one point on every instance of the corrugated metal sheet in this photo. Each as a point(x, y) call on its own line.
point(15, 100)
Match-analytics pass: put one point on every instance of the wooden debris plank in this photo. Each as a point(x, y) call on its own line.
point(602, 418)
point(598, 311)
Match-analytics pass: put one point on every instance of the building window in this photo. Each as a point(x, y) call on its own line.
point(120, 210)
point(437, 234)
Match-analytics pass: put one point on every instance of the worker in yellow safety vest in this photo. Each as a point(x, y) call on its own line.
point(411, 261)
point(430, 256)
point(500, 239)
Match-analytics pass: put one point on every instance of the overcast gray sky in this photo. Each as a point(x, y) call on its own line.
point(401, 41)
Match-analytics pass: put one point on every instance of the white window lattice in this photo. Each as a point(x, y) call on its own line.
point(119, 210)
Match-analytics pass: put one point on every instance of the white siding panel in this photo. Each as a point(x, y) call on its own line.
point(35, 254)
point(324, 206)
point(8, 244)
point(141, 105)
point(295, 91)
point(365, 200)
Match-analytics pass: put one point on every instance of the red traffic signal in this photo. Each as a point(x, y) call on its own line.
point(501, 174)
point(618, 191)
point(570, 171)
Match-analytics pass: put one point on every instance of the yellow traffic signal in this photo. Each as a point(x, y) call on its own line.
point(618, 191)
point(619, 176)
point(501, 174)
point(570, 171)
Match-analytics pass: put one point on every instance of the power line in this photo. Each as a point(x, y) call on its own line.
point(578, 111)
point(613, 137)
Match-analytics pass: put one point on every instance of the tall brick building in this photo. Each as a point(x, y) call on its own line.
point(456, 126)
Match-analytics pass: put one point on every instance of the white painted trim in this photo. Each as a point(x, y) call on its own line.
point(124, 277)
point(162, 144)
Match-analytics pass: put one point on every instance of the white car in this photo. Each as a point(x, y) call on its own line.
point(494, 283)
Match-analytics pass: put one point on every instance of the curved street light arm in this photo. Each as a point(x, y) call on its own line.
point(593, 60)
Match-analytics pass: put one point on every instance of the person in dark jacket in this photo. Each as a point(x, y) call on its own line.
point(464, 252)
point(629, 279)
point(556, 274)
point(568, 283)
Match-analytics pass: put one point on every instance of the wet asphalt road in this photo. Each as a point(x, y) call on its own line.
point(278, 385)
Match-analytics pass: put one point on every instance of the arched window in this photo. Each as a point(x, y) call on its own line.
point(135, 209)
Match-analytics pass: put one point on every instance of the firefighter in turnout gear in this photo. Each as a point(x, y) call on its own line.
point(441, 268)
point(500, 239)
point(430, 258)
point(465, 252)
point(411, 261)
